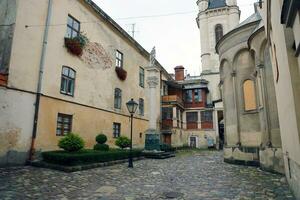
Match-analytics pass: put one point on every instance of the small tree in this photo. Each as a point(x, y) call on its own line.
point(101, 146)
point(123, 142)
point(101, 138)
point(71, 142)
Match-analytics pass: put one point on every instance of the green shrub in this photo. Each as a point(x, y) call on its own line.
point(101, 147)
point(166, 147)
point(87, 156)
point(71, 143)
point(122, 142)
point(101, 138)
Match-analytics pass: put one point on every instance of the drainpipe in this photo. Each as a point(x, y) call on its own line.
point(40, 80)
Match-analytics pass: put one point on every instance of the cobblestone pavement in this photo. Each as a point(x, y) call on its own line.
point(201, 175)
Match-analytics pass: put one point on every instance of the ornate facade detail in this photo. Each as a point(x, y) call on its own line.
point(96, 57)
point(152, 81)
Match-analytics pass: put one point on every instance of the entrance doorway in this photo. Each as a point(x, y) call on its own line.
point(193, 142)
point(168, 139)
point(221, 130)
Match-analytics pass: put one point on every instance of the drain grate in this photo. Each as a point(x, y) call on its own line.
point(173, 195)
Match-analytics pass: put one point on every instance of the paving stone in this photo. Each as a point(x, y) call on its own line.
point(201, 175)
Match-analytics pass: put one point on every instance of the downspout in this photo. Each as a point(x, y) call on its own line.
point(40, 80)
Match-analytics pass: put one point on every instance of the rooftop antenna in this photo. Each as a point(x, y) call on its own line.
point(132, 30)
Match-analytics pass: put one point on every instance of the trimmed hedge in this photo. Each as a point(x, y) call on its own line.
point(101, 139)
point(101, 147)
point(167, 148)
point(87, 156)
point(71, 142)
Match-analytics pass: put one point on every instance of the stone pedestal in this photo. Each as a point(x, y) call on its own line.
point(152, 141)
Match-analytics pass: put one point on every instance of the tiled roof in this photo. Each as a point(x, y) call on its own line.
point(216, 4)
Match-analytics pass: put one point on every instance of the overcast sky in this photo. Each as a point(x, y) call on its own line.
point(176, 37)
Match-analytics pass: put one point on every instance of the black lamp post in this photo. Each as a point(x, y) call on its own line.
point(131, 106)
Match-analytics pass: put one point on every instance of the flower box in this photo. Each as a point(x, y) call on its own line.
point(121, 73)
point(76, 45)
point(73, 46)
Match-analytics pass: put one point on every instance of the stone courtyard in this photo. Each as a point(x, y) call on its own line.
point(190, 175)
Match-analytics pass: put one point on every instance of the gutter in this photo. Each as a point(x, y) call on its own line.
point(40, 80)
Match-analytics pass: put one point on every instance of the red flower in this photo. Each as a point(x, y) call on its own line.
point(74, 46)
point(122, 74)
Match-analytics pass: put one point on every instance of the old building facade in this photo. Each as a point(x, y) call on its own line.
point(215, 18)
point(282, 25)
point(259, 65)
point(187, 119)
point(252, 134)
point(46, 91)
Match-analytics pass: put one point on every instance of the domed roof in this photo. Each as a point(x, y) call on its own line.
point(216, 4)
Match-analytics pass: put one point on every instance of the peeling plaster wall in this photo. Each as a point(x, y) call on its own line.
point(16, 121)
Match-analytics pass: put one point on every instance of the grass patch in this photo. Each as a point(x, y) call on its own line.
point(87, 156)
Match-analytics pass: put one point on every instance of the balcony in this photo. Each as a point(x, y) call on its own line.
point(172, 99)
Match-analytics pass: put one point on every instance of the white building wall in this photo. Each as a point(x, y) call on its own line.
point(16, 122)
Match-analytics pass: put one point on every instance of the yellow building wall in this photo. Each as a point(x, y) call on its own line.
point(87, 122)
point(95, 80)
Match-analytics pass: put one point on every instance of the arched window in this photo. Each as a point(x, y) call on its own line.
point(67, 81)
point(218, 32)
point(249, 95)
point(118, 98)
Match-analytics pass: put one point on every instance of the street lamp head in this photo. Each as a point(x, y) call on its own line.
point(132, 106)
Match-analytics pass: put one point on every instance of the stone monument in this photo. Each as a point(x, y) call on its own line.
point(152, 140)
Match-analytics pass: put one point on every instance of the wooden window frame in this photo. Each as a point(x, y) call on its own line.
point(194, 113)
point(116, 130)
point(200, 99)
point(142, 77)
point(62, 129)
point(141, 106)
point(67, 78)
point(204, 116)
point(186, 95)
point(167, 113)
point(72, 28)
point(119, 59)
point(118, 98)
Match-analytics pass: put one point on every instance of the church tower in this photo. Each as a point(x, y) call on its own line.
point(215, 18)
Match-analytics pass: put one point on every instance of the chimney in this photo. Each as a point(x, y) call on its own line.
point(179, 73)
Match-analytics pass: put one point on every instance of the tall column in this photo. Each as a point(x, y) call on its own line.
point(152, 140)
point(175, 117)
point(152, 83)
